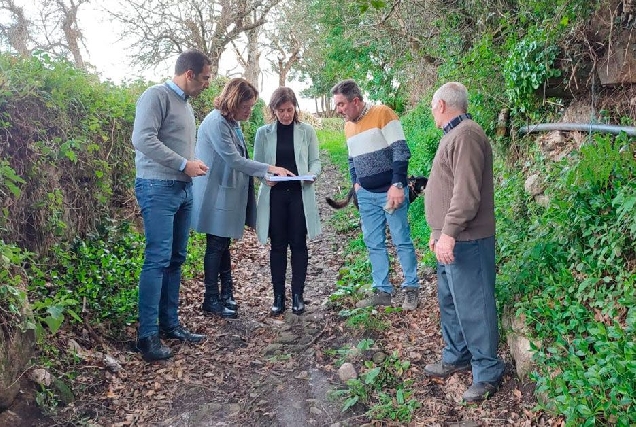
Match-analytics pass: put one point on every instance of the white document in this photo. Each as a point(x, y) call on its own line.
point(291, 178)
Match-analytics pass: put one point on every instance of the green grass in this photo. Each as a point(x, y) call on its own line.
point(334, 143)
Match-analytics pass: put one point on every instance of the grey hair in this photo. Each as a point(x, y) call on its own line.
point(454, 94)
point(349, 88)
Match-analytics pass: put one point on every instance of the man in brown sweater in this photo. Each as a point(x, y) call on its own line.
point(460, 212)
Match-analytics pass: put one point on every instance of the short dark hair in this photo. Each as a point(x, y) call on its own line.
point(349, 88)
point(191, 59)
point(235, 92)
point(279, 97)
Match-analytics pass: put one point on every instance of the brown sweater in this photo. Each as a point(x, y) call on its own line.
point(460, 195)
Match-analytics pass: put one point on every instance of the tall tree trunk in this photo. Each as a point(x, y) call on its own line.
point(17, 33)
point(252, 66)
point(214, 63)
point(70, 28)
point(73, 36)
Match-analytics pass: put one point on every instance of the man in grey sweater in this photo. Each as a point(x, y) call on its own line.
point(460, 211)
point(164, 136)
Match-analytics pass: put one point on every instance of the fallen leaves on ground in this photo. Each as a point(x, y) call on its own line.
point(263, 371)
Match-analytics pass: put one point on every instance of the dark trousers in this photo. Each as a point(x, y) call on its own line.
point(468, 310)
point(217, 263)
point(287, 227)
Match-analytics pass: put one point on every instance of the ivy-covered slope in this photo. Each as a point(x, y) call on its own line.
point(567, 259)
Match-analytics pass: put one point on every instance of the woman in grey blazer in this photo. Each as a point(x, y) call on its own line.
point(223, 199)
point(287, 211)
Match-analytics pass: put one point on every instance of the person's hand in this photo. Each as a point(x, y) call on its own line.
point(431, 243)
point(195, 168)
point(394, 197)
point(277, 170)
point(309, 181)
point(270, 183)
point(356, 187)
point(444, 249)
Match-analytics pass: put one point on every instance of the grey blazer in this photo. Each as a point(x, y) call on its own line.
point(308, 163)
point(224, 201)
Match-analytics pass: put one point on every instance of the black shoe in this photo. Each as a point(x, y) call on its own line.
point(480, 391)
point(445, 370)
point(298, 304)
point(279, 305)
point(215, 307)
point(229, 302)
point(182, 334)
point(152, 349)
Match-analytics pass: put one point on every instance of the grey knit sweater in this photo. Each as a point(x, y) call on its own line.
point(164, 134)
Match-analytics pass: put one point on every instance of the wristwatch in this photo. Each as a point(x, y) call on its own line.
point(398, 185)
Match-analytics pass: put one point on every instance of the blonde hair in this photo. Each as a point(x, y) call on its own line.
point(235, 92)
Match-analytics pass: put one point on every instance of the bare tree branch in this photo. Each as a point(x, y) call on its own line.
point(160, 29)
point(15, 33)
point(55, 29)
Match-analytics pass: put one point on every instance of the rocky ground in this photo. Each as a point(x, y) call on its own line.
point(263, 371)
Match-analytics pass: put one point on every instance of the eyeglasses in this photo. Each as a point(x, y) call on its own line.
point(247, 106)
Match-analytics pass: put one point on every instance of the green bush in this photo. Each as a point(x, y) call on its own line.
point(96, 276)
point(571, 268)
point(73, 153)
point(530, 64)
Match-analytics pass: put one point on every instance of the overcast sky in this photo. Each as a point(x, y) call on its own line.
point(110, 58)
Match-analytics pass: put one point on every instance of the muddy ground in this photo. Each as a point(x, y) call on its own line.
point(263, 371)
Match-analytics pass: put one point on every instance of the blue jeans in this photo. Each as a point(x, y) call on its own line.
point(374, 221)
point(165, 207)
point(466, 293)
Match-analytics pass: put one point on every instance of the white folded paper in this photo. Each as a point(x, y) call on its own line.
point(291, 178)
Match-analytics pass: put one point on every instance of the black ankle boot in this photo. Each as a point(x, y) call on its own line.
point(227, 290)
point(229, 302)
point(298, 304)
point(152, 349)
point(213, 306)
point(279, 305)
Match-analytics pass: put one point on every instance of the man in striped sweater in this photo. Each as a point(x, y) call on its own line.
point(378, 164)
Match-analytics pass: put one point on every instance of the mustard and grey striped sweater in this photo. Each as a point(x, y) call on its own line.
point(378, 154)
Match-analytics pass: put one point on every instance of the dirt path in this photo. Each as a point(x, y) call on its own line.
point(262, 371)
point(258, 370)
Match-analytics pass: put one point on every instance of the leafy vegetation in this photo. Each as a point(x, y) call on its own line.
point(570, 268)
point(381, 386)
point(64, 173)
point(569, 265)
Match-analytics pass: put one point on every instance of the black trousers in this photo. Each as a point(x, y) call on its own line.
point(217, 263)
point(288, 228)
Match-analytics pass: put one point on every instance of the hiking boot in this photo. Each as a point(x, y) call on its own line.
point(480, 391)
point(443, 370)
point(378, 298)
point(411, 296)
